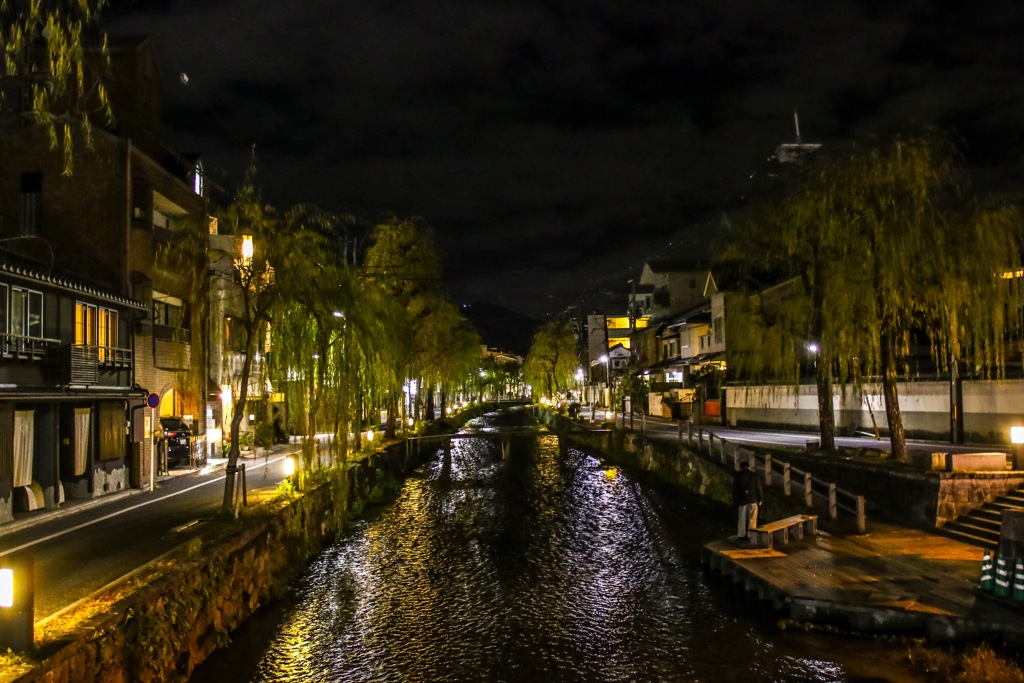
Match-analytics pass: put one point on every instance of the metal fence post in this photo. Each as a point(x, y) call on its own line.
point(785, 479)
point(808, 490)
point(832, 507)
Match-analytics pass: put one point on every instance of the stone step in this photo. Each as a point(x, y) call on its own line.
point(968, 537)
point(1001, 504)
point(989, 523)
point(967, 528)
point(988, 513)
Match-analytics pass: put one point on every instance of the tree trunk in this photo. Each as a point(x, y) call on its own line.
point(236, 427)
point(358, 419)
point(897, 438)
point(826, 415)
point(428, 410)
point(390, 429)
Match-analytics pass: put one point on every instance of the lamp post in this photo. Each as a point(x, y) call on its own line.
point(607, 377)
point(17, 602)
point(1017, 439)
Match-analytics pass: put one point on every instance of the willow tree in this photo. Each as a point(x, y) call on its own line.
point(45, 63)
point(446, 349)
point(306, 332)
point(258, 291)
point(930, 258)
point(875, 245)
point(403, 261)
point(330, 324)
point(552, 360)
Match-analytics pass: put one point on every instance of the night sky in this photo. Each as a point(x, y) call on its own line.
point(553, 146)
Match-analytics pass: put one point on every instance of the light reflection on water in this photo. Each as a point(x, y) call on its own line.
point(535, 568)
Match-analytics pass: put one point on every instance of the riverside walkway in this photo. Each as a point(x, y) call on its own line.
point(892, 579)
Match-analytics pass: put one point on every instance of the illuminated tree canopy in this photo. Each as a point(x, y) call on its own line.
point(551, 362)
point(872, 250)
point(45, 75)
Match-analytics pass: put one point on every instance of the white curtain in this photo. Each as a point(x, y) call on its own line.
point(23, 433)
point(82, 416)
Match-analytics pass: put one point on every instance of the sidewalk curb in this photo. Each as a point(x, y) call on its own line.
point(49, 515)
point(77, 505)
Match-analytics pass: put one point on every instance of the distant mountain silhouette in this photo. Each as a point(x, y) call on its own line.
point(501, 327)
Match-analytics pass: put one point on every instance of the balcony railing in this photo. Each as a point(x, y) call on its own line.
point(18, 347)
point(85, 362)
point(181, 335)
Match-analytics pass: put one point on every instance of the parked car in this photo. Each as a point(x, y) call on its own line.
point(178, 436)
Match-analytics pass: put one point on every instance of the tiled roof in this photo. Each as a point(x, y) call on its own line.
point(32, 272)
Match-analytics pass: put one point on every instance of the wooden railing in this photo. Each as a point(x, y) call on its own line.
point(29, 348)
point(779, 473)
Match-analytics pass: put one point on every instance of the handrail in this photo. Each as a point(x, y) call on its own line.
point(851, 503)
point(20, 345)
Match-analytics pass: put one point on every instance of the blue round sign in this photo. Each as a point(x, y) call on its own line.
point(152, 400)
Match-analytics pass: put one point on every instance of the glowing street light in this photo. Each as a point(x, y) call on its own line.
point(6, 587)
point(247, 249)
point(1017, 439)
point(17, 602)
point(1017, 434)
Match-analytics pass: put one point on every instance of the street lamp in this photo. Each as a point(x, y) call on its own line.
point(17, 602)
point(607, 375)
point(1017, 439)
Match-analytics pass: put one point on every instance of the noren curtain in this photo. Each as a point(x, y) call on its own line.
point(24, 431)
point(82, 418)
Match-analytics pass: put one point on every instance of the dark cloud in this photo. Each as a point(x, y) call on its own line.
point(554, 145)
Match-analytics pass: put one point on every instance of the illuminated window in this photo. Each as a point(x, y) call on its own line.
point(107, 333)
point(197, 178)
point(85, 324)
point(96, 326)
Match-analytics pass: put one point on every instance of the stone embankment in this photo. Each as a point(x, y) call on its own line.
point(675, 463)
point(163, 630)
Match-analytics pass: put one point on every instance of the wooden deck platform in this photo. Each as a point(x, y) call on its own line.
point(893, 580)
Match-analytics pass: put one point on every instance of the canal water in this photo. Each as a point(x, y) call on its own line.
point(538, 567)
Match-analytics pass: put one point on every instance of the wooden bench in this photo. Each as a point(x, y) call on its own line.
point(764, 535)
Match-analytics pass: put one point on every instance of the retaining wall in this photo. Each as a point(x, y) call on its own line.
point(674, 463)
point(919, 498)
point(164, 630)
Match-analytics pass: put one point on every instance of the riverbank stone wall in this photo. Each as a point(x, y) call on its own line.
point(164, 630)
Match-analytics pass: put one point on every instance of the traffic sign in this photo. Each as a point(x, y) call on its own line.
point(152, 400)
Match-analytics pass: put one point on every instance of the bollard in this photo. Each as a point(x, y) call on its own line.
point(1018, 579)
point(1002, 582)
point(17, 602)
point(987, 576)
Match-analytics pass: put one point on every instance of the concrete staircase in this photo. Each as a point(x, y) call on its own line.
point(981, 527)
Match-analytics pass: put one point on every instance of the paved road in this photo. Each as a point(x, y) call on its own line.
point(78, 551)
